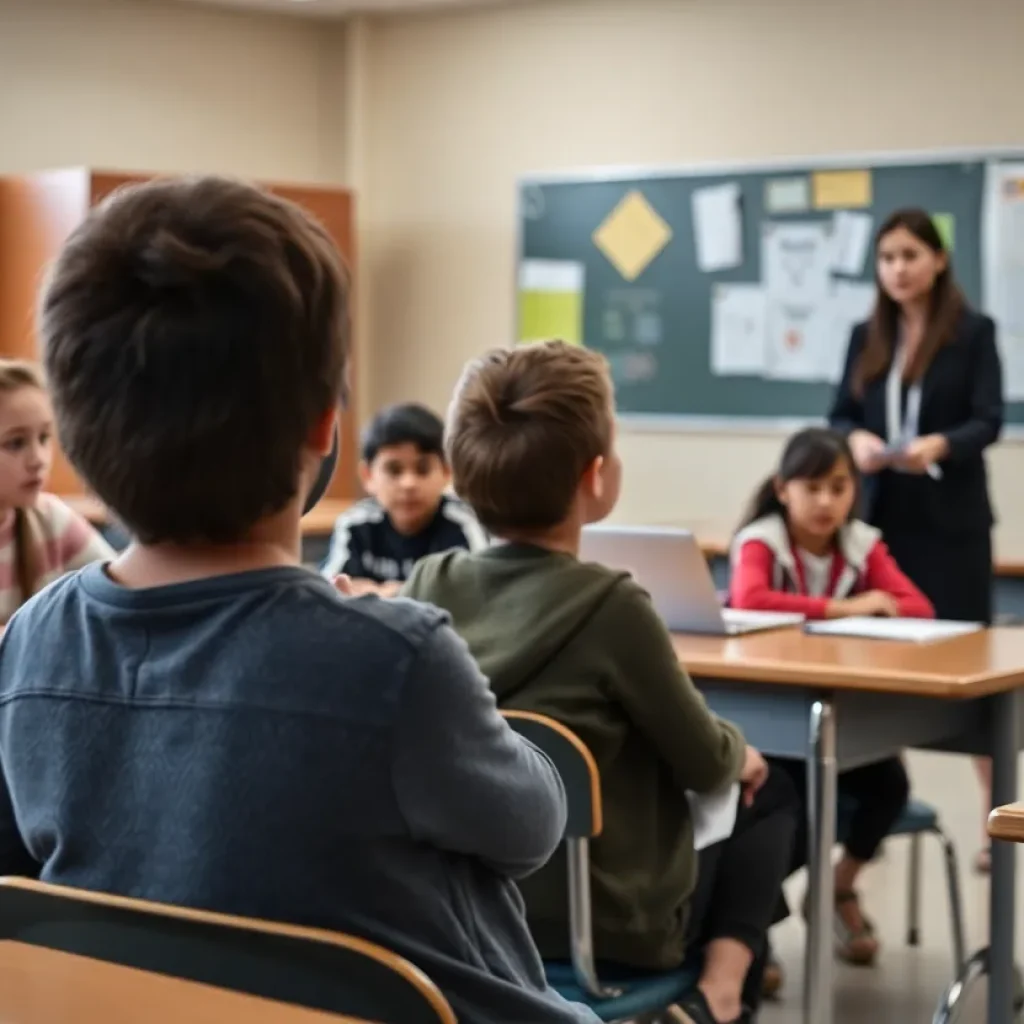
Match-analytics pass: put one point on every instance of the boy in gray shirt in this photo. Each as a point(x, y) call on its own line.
point(203, 722)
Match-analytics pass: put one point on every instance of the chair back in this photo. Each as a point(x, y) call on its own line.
point(582, 782)
point(308, 967)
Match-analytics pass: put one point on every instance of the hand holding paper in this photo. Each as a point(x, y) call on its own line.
point(754, 774)
point(869, 451)
point(922, 454)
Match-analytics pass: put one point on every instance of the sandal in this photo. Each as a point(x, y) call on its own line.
point(772, 979)
point(856, 946)
point(983, 861)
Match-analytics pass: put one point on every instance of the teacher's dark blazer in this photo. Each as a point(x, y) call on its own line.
point(962, 398)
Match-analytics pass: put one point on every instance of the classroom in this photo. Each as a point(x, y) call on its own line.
point(496, 173)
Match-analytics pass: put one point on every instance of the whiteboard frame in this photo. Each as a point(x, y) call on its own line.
point(664, 423)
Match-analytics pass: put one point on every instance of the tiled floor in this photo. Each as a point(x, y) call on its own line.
point(905, 985)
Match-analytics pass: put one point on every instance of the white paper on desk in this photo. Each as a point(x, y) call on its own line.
point(798, 341)
point(851, 239)
point(713, 815)
point(1002, 264)
point(920, 631)
point(718, 226)
point(796, 262)
point(738, 329)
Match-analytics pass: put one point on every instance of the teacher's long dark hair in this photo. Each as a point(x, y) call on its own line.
point(946, 306)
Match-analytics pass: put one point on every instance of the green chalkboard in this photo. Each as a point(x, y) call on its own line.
point(656, 327)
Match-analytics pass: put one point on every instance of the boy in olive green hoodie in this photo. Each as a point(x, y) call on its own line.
point(532, 448)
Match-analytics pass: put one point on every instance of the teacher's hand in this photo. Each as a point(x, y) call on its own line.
point(923, 452)
point(868, 451)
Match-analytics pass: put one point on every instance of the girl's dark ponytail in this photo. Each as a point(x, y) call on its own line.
point(809, 454)
point(765, 502)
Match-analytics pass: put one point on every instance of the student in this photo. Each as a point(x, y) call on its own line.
point(40, 537)
point(802, 549)
point(531, 444)
point(202, 721)
point(408, 515)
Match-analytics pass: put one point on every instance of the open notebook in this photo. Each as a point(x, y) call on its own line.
point(920, 631)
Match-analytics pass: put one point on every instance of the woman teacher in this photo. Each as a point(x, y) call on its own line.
point(921, 398)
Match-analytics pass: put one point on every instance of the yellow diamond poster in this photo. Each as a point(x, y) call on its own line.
point(551, 301)
point(632, 235)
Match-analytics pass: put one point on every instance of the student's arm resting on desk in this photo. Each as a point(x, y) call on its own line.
point(847, 412)
point(704, 752)
point(881, 572)
point(465, 782)
point(985, 424)
point(751, 585)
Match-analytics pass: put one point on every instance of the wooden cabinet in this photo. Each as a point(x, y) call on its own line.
point(37, 213)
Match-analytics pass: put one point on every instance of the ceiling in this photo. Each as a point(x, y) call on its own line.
point(336, 8)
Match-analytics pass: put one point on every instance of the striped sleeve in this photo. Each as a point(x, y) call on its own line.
point(78, 544)
point(459, 513)
point(343, 555)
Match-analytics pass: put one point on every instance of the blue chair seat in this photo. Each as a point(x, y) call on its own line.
point(917, 817)
point(643, 991)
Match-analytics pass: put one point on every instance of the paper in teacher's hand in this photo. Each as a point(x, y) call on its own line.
point(713, 815)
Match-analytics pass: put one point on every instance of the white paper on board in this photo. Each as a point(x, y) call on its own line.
point(851, 240)
point(796, 263)
point(551, 276)
point(787, 195)
point(1002, 264)
point(799, 343)
point(718, 227)
point(738, 329)
point(852, 302)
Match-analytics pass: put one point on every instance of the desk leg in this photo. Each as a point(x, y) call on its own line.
point(1004, 746)
point(821, 804)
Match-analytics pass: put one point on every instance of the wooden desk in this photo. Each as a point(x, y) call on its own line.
point(839, 702)
point(1007, 823)
point(976, 665)
point(318, 522)
point(44, 986)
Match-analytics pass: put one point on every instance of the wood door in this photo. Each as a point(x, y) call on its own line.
point(39, 211)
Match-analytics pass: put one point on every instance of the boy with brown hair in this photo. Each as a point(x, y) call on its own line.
point(204, 722)
point(531, 442)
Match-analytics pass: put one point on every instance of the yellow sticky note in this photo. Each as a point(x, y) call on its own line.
point(632, 235)
point(835, 190)
point(551, 301)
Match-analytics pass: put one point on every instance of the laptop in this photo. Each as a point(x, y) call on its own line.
point(670, 566)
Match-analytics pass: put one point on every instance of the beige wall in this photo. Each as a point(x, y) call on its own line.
point(433, 117)
point(463, 103)
point(171, 87)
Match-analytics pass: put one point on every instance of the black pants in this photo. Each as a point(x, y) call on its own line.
point(953, 570)
point(739, 879)
point(878, 793)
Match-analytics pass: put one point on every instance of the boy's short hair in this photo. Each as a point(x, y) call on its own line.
point(523, 426)
point(194, 331)
point(407, 423)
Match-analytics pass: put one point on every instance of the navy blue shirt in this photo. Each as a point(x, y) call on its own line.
point(257, 744)
point(366, 545)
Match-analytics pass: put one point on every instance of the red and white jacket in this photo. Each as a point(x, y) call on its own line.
point(768, 574)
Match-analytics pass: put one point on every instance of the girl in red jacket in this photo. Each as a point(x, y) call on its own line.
point(802, 549)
